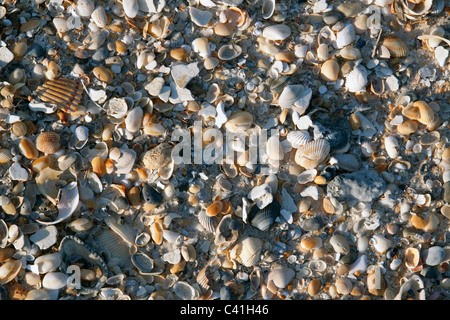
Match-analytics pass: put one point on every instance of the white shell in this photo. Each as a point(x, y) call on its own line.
point(296, 97)
point(247, 252)
point(276, 32)
point(343, 285)
point(199, 17)
point(85, 7)
point(391, 146)
point(131, 8)
point(274, 148)
point(312, 154)
point(362, 244)
point(356, 80)
point(45, 238)
point(340, 244)
point(54, 280)
point(117, 107)
point(281, 277)
point(185, 291)
point(360, 265)
point(67, 204)
point(307, 176)
point(201, 46)
point(268, 8)
point(317, 265)
point(134, 119)
point(99, 17)
point(323, 52)
point(183, 73)
point(298, 138)
point(437, 31)
point(345, 36)
point(380, 243)
point(47, 263)
point(125, 162)
point(414, 284)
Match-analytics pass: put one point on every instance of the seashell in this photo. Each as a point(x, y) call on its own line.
point(330, 70)
point(67, 204)
point(48, 142)
point(9, 270)
point(125, 231)
point(143, 239)
point(143, 263)
point(188, 253)
point(309, 156)
point(391, 146)
point(263, 219)
point(28, 149)
point(80, 224)
point(359, 266)
point(317, 265)
point(229, 52)
point(46, 181)
point(214, 209)
point(157, 157)
point(131, 8)
point(201, 46)
point(418, 222)
point(356, 80)
point(207, 222)
point(103, 74)
point(112, 244)
point(340, 244)
point(281, 277)
point(314, 287)
point(268, 7)
point(380, 243)
point(432, 42)
point(179, 54)
point(6, 254)
point(185, 291)
point(20, 129)
point(426, 114)
point(323, 52)
point(99, 17)
point(285, 56)
point(5, 156)
point(412, 257)
point(239, 121)
point(430, 138)
point(247, 252)
point(343, 286)
point(296, 97)
point(274, 149)
point(311, 243)
point(126, 161)
point(199, 17)
point(133, 120)
point(276, 32)
point(415, 9)
point(350, 53)
point(298, 138)
point(345, 36)
point(412, 285)
point(154, 129)
point(72, 250)
point(3, 234)
point(54, 281)
point(17, 172)
point(408, 127)
point(396, 46)
point(45, 238)
point(116, 107)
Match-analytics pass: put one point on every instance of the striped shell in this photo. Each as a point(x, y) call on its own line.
point(207, 222)
point(5, 155)
point(48, 142)
point(357, 79)
point(426, 113)
point(28, 149)
point(247, 252)
point(9, 270)
point(312, 154)
point(396, 46)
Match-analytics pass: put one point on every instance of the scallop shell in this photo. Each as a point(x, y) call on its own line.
point(356, 80)
point(5, 155)
point(296, 97)
point(298, 138)
point(208, 222)
point(67, 204)
point(9, 270)
point(54, 280)
point(185, 291)
point(396, 46)
point(143, 263)
point(229, 52)
point(309, 156)
point(330, 70)
point(72, 248)
point(276, 32)
point(426, 113)
point(28, 149)
point(66, 93)
point(247, 252)
point(268, 7)
point(48, 142)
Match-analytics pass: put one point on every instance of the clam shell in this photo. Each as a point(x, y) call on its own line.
point(54, 280)
point(73, 248)
point(330, 70)
point(229, 52)
point(311, 243)
point(239, 121)
point(156, 231)
point(276, 32)
point(247, 252)
point(28, 149)
point(3, 234)
point(391, 146)
point(9, 270)
point(396, 46)
point(281, 277)
point(298, 138)
point(350, 53)
point(47, 263)
point(356, 80)
point(323, 52)
point(185, 291)
point(125, 231)
point(309, 156)
point(67, 204)
point(408, 127)
point(133, 120)
point(80, 224)
point(99, 17)
point(48, 142)
point(131, 8)
point(274, 149)
point(317, 265)
point(199, 17)
point(267, 9)
point(143, 263)
point(345, 36)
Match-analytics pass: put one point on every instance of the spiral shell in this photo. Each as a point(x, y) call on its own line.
point(309, 156)
point(48, 142)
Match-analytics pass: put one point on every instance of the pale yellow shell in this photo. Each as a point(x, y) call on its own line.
point(330, 70)
point(28, 149)
point(312, 154)
point(5, 155)
point(426, 113)
point(48, 142)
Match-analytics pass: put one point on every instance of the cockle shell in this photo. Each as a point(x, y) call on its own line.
point(396, 46)
point(298, 138)
point(247, 252)
point(356, 80)
point(208, 222)
point(5, 155)
point(276, 32)
point(309, 156)
point(239, 121)
point(48, 142)
point(9, 270)
point(263, 219)
point(426, 114)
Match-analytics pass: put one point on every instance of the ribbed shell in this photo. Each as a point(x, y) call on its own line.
point(248, 251)
point(312, 154)
point(48, 142)
point(208, 222)
point(426, 113)
point(114, 245)
point(264, 218)
point(5, 155)
point(356, 80)
point(396, 46)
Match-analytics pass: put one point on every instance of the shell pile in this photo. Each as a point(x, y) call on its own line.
point(117, 119)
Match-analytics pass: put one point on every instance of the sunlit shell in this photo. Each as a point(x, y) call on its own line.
point(239, 121)
point(201, 46)
point(125, 231)
point(345, 36)
point(317, 265)
point(408, 127)
point(214, 209)
point(340, 244)
point(426, 113)
point(229, 52)
point(412, 257)
point(247, 252)
point(179, 54)
point(268, 7)
point(274, 149)
point(66, 93)
point(54, 280)
point(396, 46)
point(185, 291)
point(415, 9)
point(356, 80)
point(296, 97)
point(380, 243)
point(154, 129)
point(298, 138)
point(263, 219)
point(99, 17)
point(276, 32)
point(330, 70)
point(67, 203)
point(46, 181)
point(5, 155)
point(207, 222)
point(309, 156)
point(343, 285)
point(236, 16)
point(158, 156)
point(314, 287)
point(98, 166)
point(311, 243)
point(116, 107)
point(28, 149)
point(281, 277)
point(323, 52)
point(126, 161)
point(42, 162)
point(414, 285)
point(133, 120)
point(9, 270)
point(80, 224)
point(48, 142)
point(391, 146)
point(203, 278)
point(156, 231)
point(350, 53)
point(19, 128)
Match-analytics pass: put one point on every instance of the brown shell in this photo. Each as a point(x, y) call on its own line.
point(98, 166)
point(48, 142)
point(408, 127)
point(28, 149)
point(396, 46)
